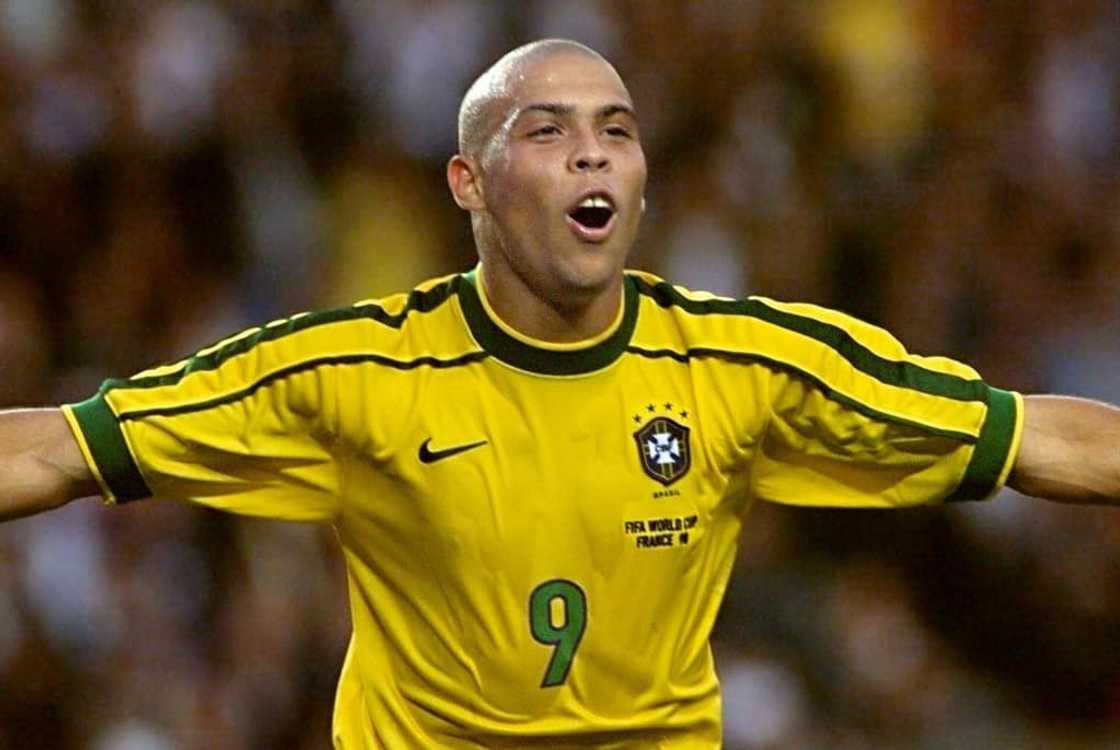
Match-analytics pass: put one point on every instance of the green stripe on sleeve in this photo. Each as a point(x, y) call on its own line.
point(422, 302)
point(298, 367)
point(829, 392)
point(110, 452)
point(990, 454)
point(901, 372)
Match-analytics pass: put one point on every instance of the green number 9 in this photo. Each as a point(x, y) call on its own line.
point(564, 637)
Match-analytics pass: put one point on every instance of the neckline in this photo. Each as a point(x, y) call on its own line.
point(524, 353)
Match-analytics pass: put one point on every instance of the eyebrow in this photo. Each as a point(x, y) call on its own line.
point(565, 110)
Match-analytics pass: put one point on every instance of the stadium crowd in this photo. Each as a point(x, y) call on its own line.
point(174, 170)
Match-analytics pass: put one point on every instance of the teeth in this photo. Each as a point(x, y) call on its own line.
point(594, 201)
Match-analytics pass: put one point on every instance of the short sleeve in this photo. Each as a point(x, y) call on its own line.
point(243, 426)
point(856, 421)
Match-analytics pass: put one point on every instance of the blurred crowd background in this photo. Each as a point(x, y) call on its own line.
point(175, 170)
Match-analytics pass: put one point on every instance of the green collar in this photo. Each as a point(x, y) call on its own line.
point(527, 357)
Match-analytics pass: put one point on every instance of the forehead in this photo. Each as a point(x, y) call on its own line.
point(564, 78)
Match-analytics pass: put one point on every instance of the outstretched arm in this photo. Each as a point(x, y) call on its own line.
point(41, 466)
point(1070, 451)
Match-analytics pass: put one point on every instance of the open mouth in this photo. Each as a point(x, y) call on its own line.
point(591, 218)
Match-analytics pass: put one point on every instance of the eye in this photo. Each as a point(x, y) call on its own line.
point(618, 131)
point(544, 130)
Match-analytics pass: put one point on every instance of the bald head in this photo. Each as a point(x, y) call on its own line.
point(486, 102)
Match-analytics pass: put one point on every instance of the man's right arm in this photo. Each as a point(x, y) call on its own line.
point(41, 466)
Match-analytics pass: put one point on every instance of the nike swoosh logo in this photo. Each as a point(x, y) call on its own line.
point(429, 456)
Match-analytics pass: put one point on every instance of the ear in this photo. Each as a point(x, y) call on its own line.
point(464, 179)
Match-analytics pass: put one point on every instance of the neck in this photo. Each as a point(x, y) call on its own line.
point(560, 318)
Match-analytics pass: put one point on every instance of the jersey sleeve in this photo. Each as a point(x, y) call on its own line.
point(856, 421)
point(244, 426)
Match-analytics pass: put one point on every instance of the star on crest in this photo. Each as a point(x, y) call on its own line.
point(667, 407)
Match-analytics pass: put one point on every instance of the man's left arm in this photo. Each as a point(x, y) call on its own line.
point(1070, 451)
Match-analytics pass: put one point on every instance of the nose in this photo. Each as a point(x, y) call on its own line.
point(589, 155)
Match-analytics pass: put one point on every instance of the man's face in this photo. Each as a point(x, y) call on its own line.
point(563, 176)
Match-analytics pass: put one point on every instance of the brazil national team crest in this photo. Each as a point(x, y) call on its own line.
point(664, 450)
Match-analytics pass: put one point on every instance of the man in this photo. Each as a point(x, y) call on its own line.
point(538, 470)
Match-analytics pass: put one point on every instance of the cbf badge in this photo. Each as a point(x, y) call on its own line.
point(664, 450)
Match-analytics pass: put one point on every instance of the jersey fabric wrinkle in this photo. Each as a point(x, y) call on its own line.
point(554, 585)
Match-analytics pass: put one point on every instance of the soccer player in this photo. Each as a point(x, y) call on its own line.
point(538, 469)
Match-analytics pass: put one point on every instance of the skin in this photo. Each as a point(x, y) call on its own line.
point(41, 466)
point(545, 124)
point(1069, 451)
point(560, 123)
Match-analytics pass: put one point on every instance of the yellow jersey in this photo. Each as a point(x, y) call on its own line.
point(538, 536)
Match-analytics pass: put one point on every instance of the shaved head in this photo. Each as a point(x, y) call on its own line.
point(484, 106)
